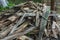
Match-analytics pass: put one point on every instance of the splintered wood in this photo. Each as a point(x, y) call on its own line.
point(28, 21)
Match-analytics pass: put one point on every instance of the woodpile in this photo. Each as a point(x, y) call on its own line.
point(28, 21)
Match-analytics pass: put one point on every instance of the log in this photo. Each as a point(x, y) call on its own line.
point(3, 34)
point(17, 24)
point(21, 28)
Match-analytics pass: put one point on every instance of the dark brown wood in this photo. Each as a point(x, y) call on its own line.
point(52, 4)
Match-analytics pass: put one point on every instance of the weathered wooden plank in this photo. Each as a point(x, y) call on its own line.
point(17, 24)
point(43, 23)
point(37, 19)
point(3, 34)
point(21, 28)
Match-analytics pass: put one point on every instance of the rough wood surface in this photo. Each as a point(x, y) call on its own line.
point(30, 19)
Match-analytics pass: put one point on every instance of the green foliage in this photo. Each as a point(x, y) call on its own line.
point(6, 8)
point(20, 1)
point(2, 8)
point(37, 0)
point(28, 34)
point(10, 5)
point(14, 2)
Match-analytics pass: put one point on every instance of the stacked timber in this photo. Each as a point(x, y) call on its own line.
point(28, 21)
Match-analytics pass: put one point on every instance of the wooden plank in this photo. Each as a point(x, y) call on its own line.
point(43, 23)
point(21, 28)
point(17, 24)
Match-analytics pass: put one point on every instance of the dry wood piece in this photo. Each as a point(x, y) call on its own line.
point(24, 38)
point(3, 34)
point(12, 18)
point(21, 28)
